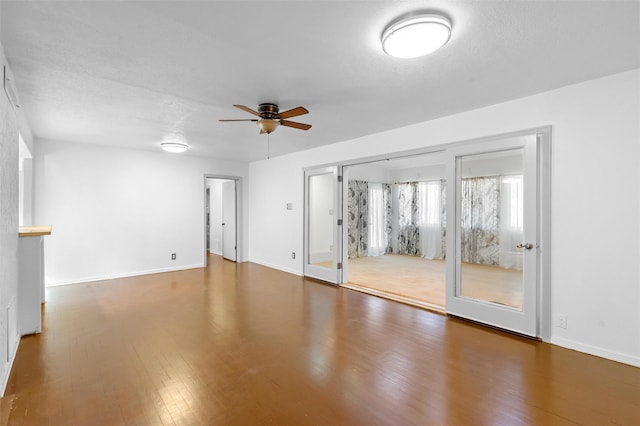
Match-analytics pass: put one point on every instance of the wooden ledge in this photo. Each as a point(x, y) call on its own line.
point(34, 231)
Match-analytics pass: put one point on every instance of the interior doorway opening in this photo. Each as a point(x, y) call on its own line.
point(221, 212)
point(396, 228)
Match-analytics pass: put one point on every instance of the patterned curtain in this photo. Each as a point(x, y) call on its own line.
point(357, 226)
point(480, 234)
point(386, 190)
point(408, 219)
point(443, 216)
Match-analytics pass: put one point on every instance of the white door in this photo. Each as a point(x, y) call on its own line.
point(492, 268)
point(229, 246)
point(323, 224)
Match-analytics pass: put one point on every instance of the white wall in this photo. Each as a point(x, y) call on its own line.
point(595, 272)
point(118, 212)
point(9, 187)
point(367, 172)
point(419, 174)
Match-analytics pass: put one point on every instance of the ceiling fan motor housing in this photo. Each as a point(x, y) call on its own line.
point(268, 111)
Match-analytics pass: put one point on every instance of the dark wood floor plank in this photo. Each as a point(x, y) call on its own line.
point(237, 344)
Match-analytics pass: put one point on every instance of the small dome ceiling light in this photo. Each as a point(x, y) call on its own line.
point(415, 36)
point(174, 146)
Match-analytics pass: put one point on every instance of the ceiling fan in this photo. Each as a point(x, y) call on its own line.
point(271, 118)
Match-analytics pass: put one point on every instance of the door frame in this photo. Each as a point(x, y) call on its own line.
point(239, 233)
point(544, 176)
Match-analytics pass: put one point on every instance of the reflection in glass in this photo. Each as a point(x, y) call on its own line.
point(491, 225)
point(321, 218)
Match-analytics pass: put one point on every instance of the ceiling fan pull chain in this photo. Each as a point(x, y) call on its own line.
point(268, 146)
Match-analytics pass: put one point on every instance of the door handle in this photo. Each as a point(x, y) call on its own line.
point(526, 246)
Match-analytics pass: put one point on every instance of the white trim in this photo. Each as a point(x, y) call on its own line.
point(8, 367)
point(544, 142)
point(217, 252)
point(277, 267)
point(122, 275)
point(596, 351)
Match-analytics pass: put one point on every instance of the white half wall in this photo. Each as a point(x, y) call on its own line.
point(118, 212)
point(595, 249)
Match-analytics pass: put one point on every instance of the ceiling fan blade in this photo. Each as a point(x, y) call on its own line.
point(294, 112)
point(241, 119)
point(295, 125)
point(247, 109)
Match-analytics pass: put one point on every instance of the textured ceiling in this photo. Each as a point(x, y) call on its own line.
point(130, 73)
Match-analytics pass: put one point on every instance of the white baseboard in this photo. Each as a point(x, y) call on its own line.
point(278, 267)
point(9, 365)
point(218, 252)
point(597, 351)
point(120, 275)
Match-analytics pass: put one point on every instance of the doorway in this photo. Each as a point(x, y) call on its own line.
point(221, 211)
point(395, 228)
point(461, 230)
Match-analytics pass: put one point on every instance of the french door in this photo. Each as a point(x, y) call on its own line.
point(493, 233)
point(323, 224)
point(495, 228)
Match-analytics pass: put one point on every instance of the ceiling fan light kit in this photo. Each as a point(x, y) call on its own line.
point(174, 147)
point(416, 35)
point(268, 125)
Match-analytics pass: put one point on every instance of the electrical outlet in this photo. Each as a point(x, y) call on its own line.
point(561, 321)
point(293, 254)
point(173, 256)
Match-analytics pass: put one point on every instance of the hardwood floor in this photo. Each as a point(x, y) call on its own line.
point(423, 280)
point(242, 344)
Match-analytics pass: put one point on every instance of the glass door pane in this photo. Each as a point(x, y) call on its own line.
point(321, 218)
point(323, 223)
point(491, 219)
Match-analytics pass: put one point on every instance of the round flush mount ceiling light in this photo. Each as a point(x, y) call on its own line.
point(415, 36)
point(174, 146)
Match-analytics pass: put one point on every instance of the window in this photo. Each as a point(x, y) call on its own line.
point(512, 195)
point(429, 196)
point(377, 240)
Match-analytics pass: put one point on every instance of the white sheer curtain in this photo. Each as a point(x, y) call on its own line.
point(377, 240)
point(430, 219)
point(511, 218)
